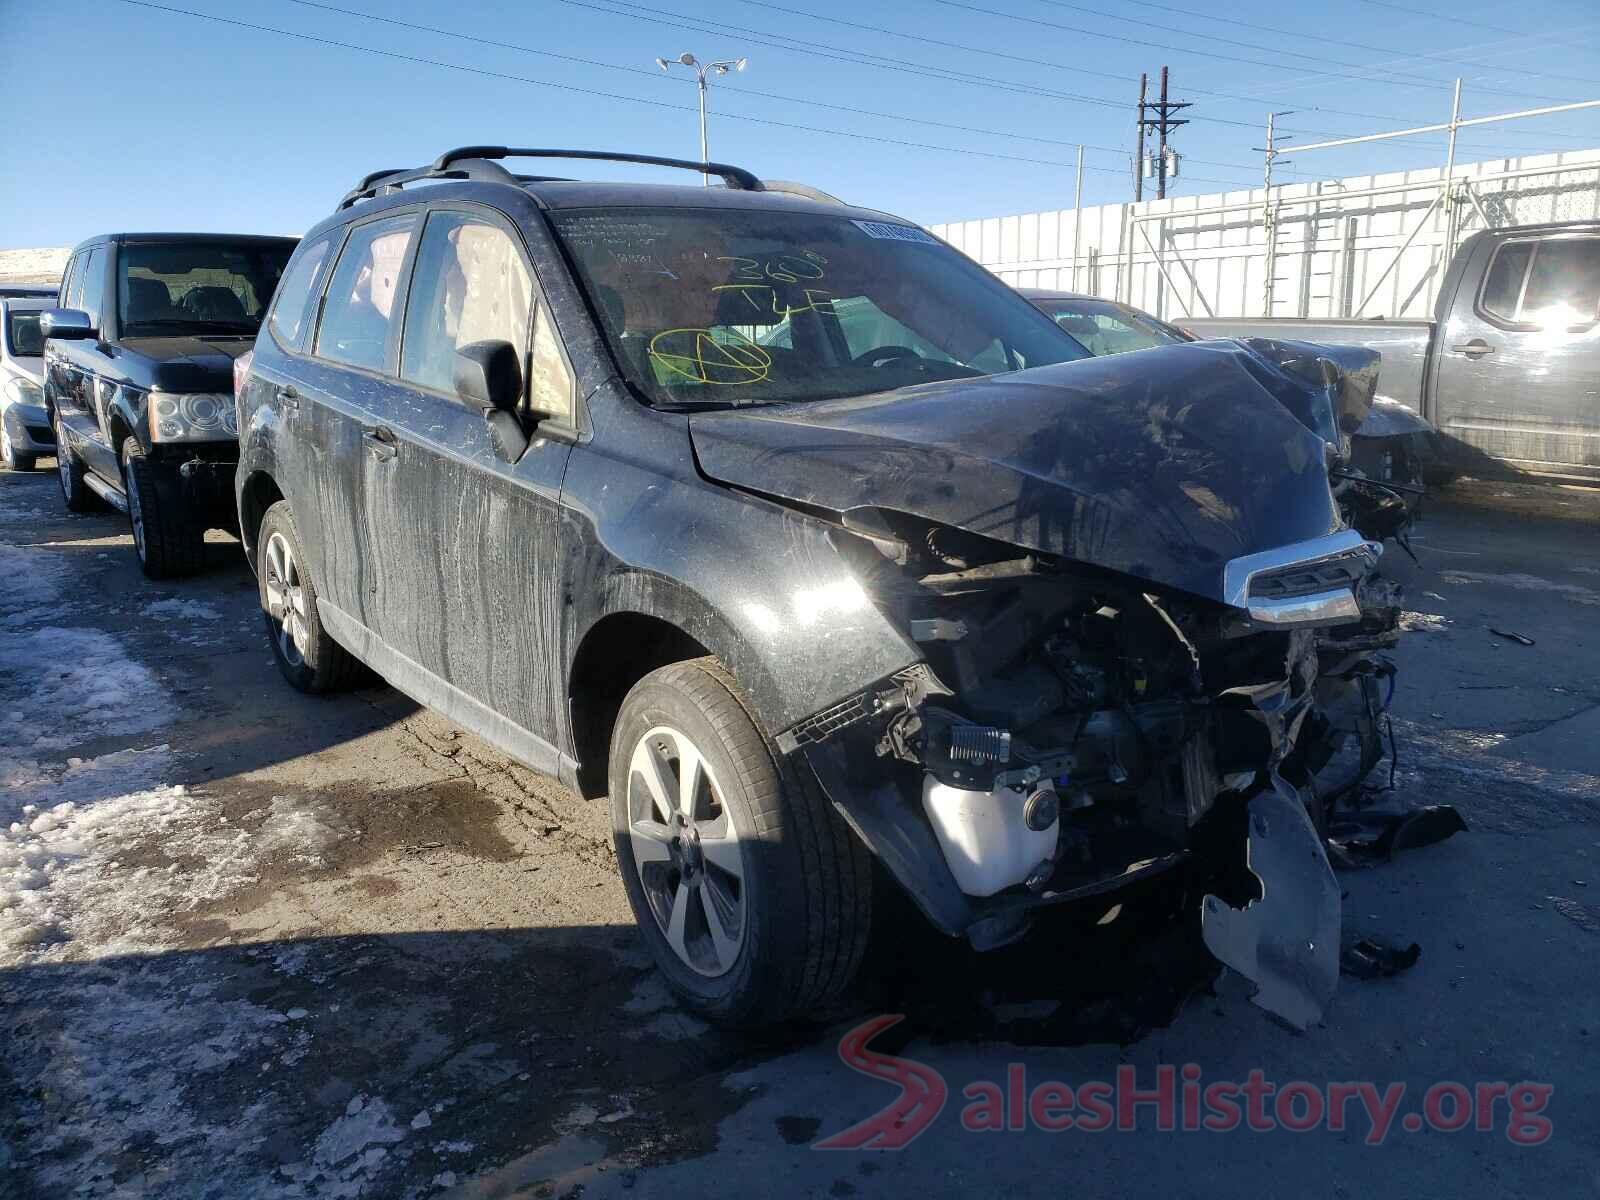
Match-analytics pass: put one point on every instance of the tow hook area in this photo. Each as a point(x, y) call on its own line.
point(1287, 941)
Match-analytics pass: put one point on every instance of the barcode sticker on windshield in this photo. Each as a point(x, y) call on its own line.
point(896, 233)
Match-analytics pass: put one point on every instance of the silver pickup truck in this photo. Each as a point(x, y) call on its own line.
point(1508, 371)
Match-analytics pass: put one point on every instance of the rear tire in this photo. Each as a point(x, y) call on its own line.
point(170, 543)
point(307, 656)
point(13, 460)
point(775, 890)
point(69, 472)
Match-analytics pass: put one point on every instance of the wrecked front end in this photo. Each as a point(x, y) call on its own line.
point(1147, 642)
point(1071, 733)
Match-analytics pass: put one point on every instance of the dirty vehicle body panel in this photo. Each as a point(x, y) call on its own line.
point(127, 357)
point(1508, 371)
point(1382, 463)
point(22, 411)
point(1097, 592)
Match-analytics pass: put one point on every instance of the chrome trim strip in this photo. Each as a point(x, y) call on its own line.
point(1337, 607)
point(1238, 572)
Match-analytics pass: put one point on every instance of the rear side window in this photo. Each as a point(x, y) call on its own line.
point(92, 296)
point(1502, 288)
point(360, 306)
point(293, 301)
point(69, 282)
point(1563, 284)
point(470, 285)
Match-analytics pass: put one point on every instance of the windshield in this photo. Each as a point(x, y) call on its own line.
point(1107, 328)
point(196, 286)
point(23, 336)
point(717, 307)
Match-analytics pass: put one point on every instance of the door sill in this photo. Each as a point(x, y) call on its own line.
point(110, 494)
point(430, 691)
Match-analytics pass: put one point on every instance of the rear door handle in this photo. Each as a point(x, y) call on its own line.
point(288, 397)
point(1476, 348)
point(380, 442)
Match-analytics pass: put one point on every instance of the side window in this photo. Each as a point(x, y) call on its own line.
point(361, 296)
point(549, 380)
point(293, 302)
point(1563, 284)
point(69, 281)
point(74, 291)
point(94, 286)
point(470, 285)
point(1502, 287)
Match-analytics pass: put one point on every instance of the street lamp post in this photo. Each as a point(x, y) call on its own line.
point(701, 70)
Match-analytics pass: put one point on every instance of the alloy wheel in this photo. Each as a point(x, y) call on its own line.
point(286, 600)
point(63, 463)
point(686, 851)
point(135, 512)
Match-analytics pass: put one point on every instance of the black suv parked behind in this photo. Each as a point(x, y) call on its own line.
point(139, 379)
point(814, 545)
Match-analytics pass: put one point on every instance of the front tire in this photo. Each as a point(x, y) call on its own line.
point(169, 542)
point(69, 472)
point(308, 658)
point(10, 456)
point(753, 896)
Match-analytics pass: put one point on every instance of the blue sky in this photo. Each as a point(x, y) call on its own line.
point(167, 121)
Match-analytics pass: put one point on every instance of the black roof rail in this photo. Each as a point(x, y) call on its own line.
point(734, 177)
point(478, 163)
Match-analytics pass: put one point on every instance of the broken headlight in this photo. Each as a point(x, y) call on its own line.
point(191, 416)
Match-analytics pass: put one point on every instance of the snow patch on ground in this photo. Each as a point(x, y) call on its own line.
point(125, 1046)
point(62, 687)
point(30, 581)
point(1418, 622)
point(181, 610)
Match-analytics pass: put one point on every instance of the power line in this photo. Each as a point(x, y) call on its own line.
point(566, 87)
point(655, 76)
point(1384, 67)
point(857, 58)
point(1053, 65)
point(1418, 82)
point(1324, 38)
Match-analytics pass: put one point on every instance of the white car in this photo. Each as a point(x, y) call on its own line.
point(25, 431)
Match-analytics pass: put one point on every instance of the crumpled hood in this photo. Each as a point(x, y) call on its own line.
point(187, 364)
point(1163, 464)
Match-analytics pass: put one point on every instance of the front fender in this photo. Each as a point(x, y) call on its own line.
point(765, 588)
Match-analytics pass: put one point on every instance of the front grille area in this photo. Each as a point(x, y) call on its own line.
point(1344, 570)
point(42, 435)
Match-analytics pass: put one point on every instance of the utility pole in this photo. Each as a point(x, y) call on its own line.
point(1138, 154)
point(1269, 211)
point(1162, 123)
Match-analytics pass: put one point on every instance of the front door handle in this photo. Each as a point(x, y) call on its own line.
point(1476, 348)
point(380, 442)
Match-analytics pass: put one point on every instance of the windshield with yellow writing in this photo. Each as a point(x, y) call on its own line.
point(735, 307)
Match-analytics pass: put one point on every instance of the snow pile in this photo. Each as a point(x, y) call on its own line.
point(181, 610)
point(61, 687)
point(30, 580)
point(102, 873)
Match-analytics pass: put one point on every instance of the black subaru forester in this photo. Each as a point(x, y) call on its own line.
point(822, 553)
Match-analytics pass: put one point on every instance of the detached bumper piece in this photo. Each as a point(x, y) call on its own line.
point(1286, 942)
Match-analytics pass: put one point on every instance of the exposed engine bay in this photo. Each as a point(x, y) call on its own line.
point(1073, 730)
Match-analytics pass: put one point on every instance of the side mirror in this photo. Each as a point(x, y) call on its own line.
point(68, 324)
point(490, 374)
